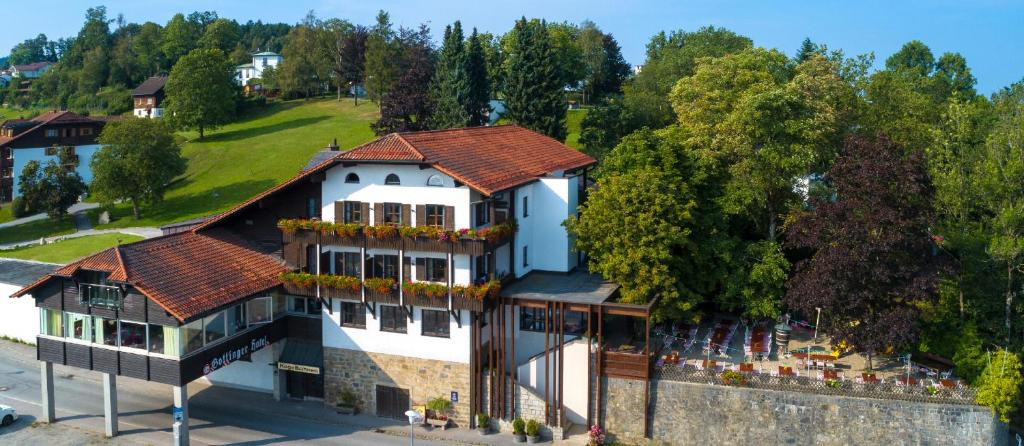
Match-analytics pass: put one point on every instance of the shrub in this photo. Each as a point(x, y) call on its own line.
point(346, 397)
point(595, 437)
point(732, 377)
point(532, 428)
point(482, 420)
point(19, 208)
point(1000, 383)
point(439, 405)
point(518, 426)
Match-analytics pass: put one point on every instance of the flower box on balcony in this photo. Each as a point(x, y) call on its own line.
point(340, 287)
point(332, 238)
point(381, 290)
point(300, 290)
point(428, 244)
point(299, 284)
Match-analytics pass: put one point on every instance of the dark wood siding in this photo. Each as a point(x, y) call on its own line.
point(49, 350)
point(258, 223)
point(79, 355)
point(165, 371)
point(104, 360)
point(49, 295)
point(104, 312)
point(134, 366)
point(305, 328)
point(134, 307)
point(71, 299)
point(155, 314)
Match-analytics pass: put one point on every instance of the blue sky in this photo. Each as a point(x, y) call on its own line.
point(989, 33)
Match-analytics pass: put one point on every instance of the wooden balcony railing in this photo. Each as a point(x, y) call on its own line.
point(428, 239)
point(625, 365)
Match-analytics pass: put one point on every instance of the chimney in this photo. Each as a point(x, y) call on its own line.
point(333, 146)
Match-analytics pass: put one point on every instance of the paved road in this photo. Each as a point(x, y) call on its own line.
point(144, 409)
point(77, 207)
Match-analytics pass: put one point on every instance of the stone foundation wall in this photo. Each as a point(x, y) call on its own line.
point(715, 414)
point(529, 406)
point(425, 379)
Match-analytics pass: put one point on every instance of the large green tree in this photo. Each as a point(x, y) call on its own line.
point(201, 91)
point(382, 49)
point(180, 37)
point(222, 34)
point(137, 160)
point(478, 103)
point(534, 92)
point(451, 88)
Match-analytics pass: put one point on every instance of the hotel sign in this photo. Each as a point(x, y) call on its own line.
point(226, 358)
point(298, 368)
point(236, 348)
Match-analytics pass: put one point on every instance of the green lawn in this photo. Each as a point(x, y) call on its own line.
point(5, 212)
point(71, 249)
point(35, 230)
point(262, 149)
point(572, 121)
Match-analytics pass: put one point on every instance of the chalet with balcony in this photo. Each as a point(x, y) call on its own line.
point(417, 266)
point(148, 98)
point(44, 138)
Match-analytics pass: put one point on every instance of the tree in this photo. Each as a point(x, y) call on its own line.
point(603, 127)
point(381, 52)
point(146, 47)
point(52, 187)
point(478, 102)
point(29, 188)
point(37, 49)
point(137, 160)
point(615, 70)
point(591, 44)
point(450, 87)
point(535, 95)
point(807, 49)
point(201, 91)
point(408, 106)
point(221, 34)
point(632, 227)
point(1000, 385)
point(350, 59)
point(304, 69)
point(873, 265)
point(180, 38)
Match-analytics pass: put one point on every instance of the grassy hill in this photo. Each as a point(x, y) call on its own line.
point(258, 151)
point(71, 249)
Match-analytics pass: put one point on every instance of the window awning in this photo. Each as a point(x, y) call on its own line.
point(302, 356)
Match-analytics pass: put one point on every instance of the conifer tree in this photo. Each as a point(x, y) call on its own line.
point(479, 85)
point(534, 96)
point(450, 88)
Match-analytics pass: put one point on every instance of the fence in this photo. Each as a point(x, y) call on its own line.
point(882, 390)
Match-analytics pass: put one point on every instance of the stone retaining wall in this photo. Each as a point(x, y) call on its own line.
point(424, 378)
point(529, 406)
point(714, 414)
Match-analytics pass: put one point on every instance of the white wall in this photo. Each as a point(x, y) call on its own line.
point(550, 202)
point(23, 156)
point(256, 375)
point(456, 348)
point(153, 113)
point(412, 191)
point(19, 318)
point(575, 377)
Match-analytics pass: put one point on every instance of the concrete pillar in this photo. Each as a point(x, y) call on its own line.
point(46, 384)
point(180, 415)
point(110, 404)
point(280, 385)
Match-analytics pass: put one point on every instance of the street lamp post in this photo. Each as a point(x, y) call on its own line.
point(817, 321)
point(414, 416)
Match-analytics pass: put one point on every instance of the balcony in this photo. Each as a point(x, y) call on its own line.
point(426, 239)
point(104, 296)
point(386, 291)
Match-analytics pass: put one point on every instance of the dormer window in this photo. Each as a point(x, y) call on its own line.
point(94, 291)
point(392, 180)
point(435, 180)
point(352, 178)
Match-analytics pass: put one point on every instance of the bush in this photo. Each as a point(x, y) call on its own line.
point(439, 405)
point(532, 428)
point(346, 397)
point(19, 208)
point(999, 385)
point(482, 420)
point(518, 426)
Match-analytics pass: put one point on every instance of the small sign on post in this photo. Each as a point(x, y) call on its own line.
point(178, 413)
point(455, 397)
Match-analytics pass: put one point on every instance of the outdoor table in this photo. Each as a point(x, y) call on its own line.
point(947, 383)
point(705, 364)
point(747, 367)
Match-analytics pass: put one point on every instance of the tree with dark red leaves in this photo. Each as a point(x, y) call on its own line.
point(872, 261)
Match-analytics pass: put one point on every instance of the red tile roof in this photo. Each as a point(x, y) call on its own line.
point(187, 274)
point(488, 159)
point(53, 117)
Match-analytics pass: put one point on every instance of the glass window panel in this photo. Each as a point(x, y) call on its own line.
point(297, 305)
point(436, 323)
point(236, 319)
point(531, 319)
point(353, 315)
point(172, 342)
point(392, 319)
point(156, 339)
point(51, 323)
point(280, 304)
point(313, 307)
point(78, 327)
point(392, 213)
point(258, 310)
point(105, 331)
point(215, 328)
point(435, 215)
point(193, 334)
point(133, 335)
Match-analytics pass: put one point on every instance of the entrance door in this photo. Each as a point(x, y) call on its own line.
point(305, 385)
point(392, 402)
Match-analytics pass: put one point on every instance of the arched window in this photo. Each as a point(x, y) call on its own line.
point(352, 178)
point(435, 180)
point(392, 180)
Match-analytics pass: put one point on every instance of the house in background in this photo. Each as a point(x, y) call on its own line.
point(254, 70)
point(31, 71)
point(42, 139)
point(5, 78)
point(148, 98)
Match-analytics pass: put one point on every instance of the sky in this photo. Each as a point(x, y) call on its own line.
point(989, 33)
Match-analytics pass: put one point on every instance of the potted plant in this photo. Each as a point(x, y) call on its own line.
point(482, 423)
point(732, 377)
point(519, 430)
point(348, 402)
point(437, 412)
point(532, 431)
point(595, 437)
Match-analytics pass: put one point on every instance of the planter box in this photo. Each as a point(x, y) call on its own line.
point(426, 244)
point(337, 240)
point(470, 247)
point(424, 301)
point(334, 293)
point(443, 424)
point(390, 297)
point(460, 302)
point(300, 290)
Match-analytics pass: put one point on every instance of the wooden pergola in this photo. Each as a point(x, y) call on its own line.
point(557, 294)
